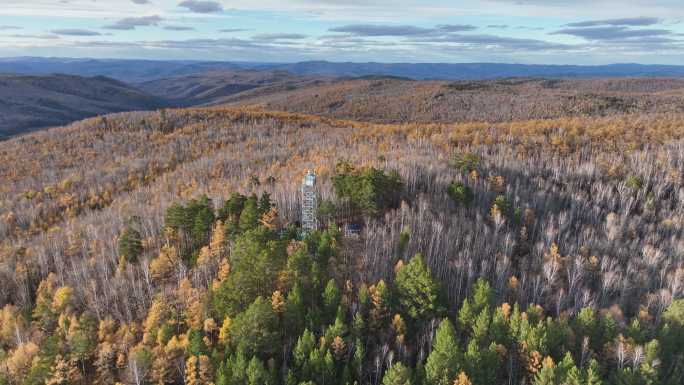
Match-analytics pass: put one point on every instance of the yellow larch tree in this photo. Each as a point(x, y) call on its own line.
point(61, 301)
point(278, 302)
point(156, 315)
point(163, 266)
point(19, 361)
point(161, 372)
point(399, 328)
point(270, 219)
point(224, 332)
point(206, 371)
point(339, 348)
point(462, 379)
point(205, 258)
point(217, 243)
point(64, 372)
point(191, 371)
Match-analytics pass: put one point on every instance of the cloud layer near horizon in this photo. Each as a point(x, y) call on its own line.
point(371, 30)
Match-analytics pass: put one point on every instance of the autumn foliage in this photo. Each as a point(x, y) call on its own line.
point(163, 248)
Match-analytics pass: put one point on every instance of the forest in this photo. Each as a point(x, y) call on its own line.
point(395, 100)
point(165, 248)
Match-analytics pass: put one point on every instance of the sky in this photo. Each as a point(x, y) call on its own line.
point(450, 31)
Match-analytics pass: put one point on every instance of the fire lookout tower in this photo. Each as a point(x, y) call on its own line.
point(309, 202)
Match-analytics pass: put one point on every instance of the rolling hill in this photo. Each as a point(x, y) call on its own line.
point(29, 102)
point(34, 101)
point(396, 100)
point(33, 96)
point(213, 87)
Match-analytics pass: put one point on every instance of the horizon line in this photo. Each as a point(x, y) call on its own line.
point(87, 58)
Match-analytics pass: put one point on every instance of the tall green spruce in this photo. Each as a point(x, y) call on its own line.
point(445, 360)
point(397, 374)
point(256, 259)
point(192, 225)
point(419, 295)
point(369, 191)
point(130, 241)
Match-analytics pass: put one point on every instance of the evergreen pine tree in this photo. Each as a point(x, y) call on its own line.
point(358, 358)
point(130, 243)
point(397, 374)
point(329, 372)
point(265, 203)
point(196, 345)
point(444, 362)
point(565, 368)
point(255, 329)
point(305, 344)
point(593, 376)
point(257, 373)
point(480, 328)
point(483, 295)
point(331, 299)
point(547, 374)
point(418, 293)
point(294, 312)
point(249, 218)
point(203, 217)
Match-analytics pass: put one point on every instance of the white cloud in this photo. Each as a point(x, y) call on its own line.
point(130, 23)
point(372, 29)
point(75, 32)
point(178, 28)
point(358, 10)
point(201, 6)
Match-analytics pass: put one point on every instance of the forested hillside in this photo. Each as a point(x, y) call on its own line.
point(32, 102)
point(164, 248)
point(394, 100)
point(212, 87)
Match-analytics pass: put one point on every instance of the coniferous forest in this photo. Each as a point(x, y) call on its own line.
point(166, 248)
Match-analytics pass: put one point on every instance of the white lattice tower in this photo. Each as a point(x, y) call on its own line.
point(309, 202)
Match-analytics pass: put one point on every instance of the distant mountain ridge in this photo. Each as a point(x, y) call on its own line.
point(145, 70)
point(478, 71)
point(130, 71)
